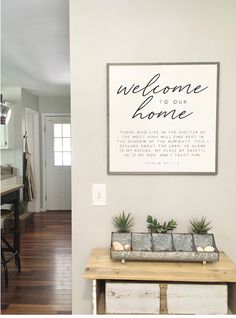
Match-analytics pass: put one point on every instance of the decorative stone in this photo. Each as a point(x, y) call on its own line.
point(200, 249)
point(209, 249)
point(117, 246)
point(122, 238)
point(127, 247)
point(203, 240)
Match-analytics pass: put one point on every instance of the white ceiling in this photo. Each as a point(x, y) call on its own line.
point(35, 45)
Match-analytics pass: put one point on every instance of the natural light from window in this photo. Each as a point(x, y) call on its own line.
point(62, 145)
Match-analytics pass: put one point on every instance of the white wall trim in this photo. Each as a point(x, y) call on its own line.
point(44, 117)
point(36, 155)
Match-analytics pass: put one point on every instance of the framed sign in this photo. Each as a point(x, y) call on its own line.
point(162, 118)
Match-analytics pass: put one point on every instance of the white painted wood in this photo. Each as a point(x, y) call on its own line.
point(30, 140)
point(144, 298)
point(94, 297)
point(132, 298)
point(44, 117)
point(32, 127)
point(58, 178)
point(198, 299)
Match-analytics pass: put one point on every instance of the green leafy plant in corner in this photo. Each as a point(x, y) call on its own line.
point(123, 223)
point(200, 226)
point(155, 227)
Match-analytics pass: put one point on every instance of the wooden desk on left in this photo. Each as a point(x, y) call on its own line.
point(10, 194)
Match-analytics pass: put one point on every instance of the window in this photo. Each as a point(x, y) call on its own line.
point(62, 145)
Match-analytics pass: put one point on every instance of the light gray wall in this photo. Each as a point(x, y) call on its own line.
point(29, 100)
point(54, 104)
point(146, 31)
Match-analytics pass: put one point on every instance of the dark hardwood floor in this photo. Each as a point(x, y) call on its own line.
point(44, 285)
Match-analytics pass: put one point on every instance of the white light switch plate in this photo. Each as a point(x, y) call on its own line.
point(99, 194)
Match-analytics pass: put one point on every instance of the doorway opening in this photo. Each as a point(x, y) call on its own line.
point(56, 162)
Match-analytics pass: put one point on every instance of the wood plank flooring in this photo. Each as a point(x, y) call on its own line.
point(44, 285)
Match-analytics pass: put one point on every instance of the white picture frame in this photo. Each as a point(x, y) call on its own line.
point(162, 118)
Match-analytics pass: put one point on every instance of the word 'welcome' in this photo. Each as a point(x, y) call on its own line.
point(151, 89)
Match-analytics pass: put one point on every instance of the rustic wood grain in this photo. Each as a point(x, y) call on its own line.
point(132, 297)
point(8, 188)
point(232, 297)
point(44, 286)
point(197, 299)
point(100, 266)
point(163, 299)
point(125, 297)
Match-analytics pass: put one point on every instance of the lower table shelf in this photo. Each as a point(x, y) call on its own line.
point(132, 297)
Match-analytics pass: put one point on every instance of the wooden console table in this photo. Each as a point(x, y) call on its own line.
point(102, 270)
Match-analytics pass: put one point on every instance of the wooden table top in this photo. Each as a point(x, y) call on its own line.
point(100, 266)
point(5, 189)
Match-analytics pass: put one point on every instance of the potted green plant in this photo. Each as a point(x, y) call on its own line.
point(200, 226)
point(156, 227)
point(204, 242)
point(123, 224)
point(161, 233)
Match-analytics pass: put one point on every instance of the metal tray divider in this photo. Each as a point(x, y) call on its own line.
point(194, 244)
point(172, 240)
point(152, 242)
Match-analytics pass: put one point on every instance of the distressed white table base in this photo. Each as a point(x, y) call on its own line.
point(134, 297)
point(137, 297)
point(94, 297)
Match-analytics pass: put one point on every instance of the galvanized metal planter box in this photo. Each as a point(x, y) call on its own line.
point(163, 247)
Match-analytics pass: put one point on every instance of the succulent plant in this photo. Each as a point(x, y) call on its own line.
point(200, 226)
point(156, 227)
point(153, 225)
point(123, 223)
point(170, 226)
